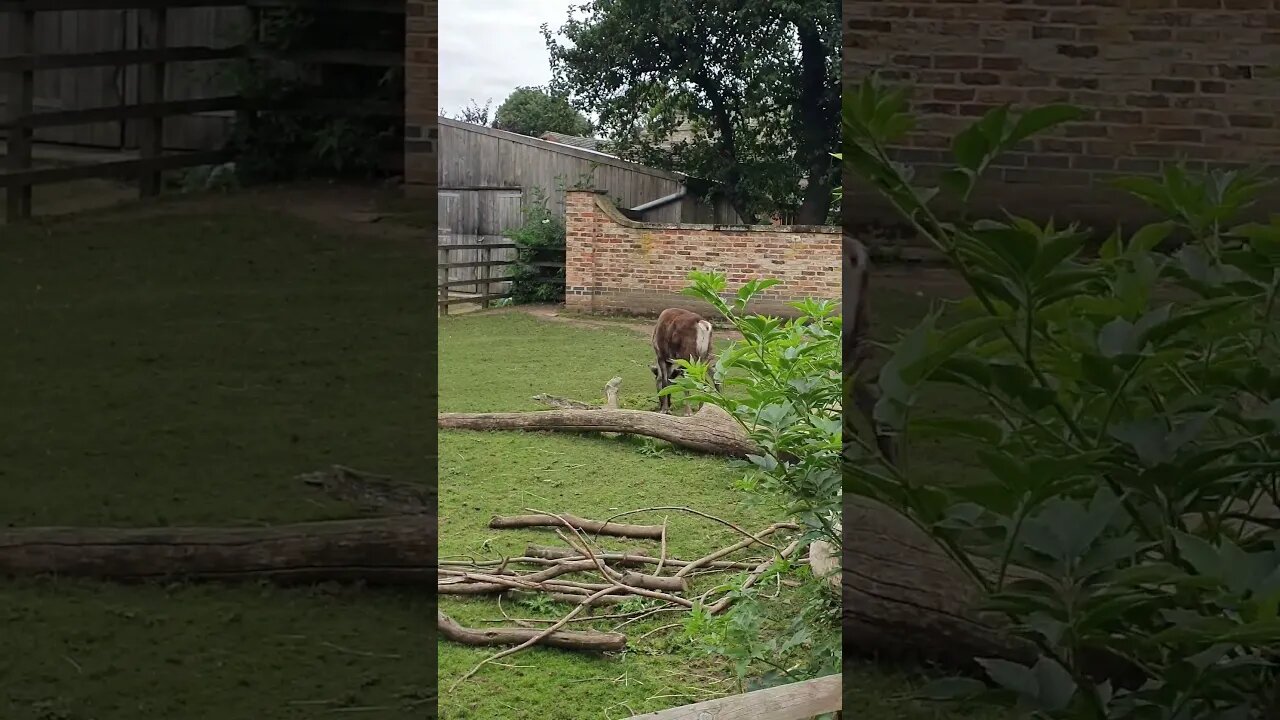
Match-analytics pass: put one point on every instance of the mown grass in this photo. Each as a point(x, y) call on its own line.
point(181, 369)
point(497, 361)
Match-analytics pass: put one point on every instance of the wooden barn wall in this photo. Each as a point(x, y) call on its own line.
point(472, 157)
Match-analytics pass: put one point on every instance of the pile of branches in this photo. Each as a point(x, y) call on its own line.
point(602, 578)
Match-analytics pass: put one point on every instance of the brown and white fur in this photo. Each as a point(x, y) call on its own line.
point(679, 335)
point(855, 347)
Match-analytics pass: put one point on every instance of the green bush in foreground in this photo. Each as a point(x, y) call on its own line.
point(782, 383)
point(1132, 433)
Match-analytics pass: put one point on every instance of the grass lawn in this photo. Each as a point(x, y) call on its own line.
point(180, 368)
point(497, 361)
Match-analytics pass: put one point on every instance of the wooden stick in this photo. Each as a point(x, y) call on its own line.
point(645, 532)
point(700, 562)
point(662, 550)
point(654, 582)
point(699, 513)
point(756, 574)
point(536, 553)
point(581, 640)
point(536, 638)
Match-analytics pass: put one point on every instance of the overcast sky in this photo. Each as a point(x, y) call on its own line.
point(489, 48)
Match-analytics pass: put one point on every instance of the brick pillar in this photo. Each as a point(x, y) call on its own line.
point(581, 223)
point(420, 103)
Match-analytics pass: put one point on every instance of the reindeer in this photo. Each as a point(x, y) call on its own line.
point(855, 348)
point(679, 335)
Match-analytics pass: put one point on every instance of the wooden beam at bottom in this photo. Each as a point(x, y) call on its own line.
point(474, 299)
point(115, 169)
point(797, 701)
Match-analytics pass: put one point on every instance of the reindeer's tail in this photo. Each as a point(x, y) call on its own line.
point(702, 343)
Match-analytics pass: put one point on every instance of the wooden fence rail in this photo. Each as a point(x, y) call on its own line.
point(152, 59)
point(797, 701)
point(485, 278)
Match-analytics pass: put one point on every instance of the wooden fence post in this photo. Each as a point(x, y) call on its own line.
point(152, 33)
point(442, 277)
point(21, 105)
point(483, 275)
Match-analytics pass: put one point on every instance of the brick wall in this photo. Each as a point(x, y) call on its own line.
point(421, 89)
point(615, 265)
point(1159, 80)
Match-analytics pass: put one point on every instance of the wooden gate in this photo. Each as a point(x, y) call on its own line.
point(472, 247)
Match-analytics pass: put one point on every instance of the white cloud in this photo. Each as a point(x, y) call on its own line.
point(488, 48)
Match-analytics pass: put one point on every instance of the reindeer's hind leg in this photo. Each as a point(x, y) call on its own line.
point(660, 374)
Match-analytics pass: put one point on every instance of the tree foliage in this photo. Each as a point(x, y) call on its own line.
point(533, 111)
point(275, 143)
point(756, 81)
point(475, 113)
point(1130, 437)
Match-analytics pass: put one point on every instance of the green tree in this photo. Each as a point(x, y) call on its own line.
point(755, 82)
point(533, 111)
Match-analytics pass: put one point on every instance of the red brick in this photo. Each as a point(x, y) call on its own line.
point(1160, 79)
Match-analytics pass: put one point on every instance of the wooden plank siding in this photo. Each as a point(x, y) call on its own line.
point(474, 156)
point(61, 34)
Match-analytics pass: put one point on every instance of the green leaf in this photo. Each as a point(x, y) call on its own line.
point(958, 181)
point(1056, 686)
point(1145, 436)
point(1015, 246)
point(951, 341)
point(1149, 236)
point(1097, 371)
point(976, 428)
point(1054, 252)
point(1039, 119)
point(1202, 556)
point(1011, 471)
point(970, 148)
point(1117, 338)
point(1110, 249)
point(1012, 676)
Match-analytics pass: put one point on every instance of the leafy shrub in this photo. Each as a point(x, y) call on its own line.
point(1131, 431)
point(539, 239)
point(782, 383)
point(282, 143)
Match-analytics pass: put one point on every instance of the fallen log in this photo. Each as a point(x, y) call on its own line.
point(710, 430)
point(372, 492)
point(645, 532)
point(581, 640)
point(905, 599)
point(397, 550)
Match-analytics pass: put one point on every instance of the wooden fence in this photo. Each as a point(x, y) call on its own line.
point(487, 281)
point(797, 701)
point(152, 57)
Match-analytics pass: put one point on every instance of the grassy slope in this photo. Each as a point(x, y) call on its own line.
point(497, 361)
point(180, 370)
